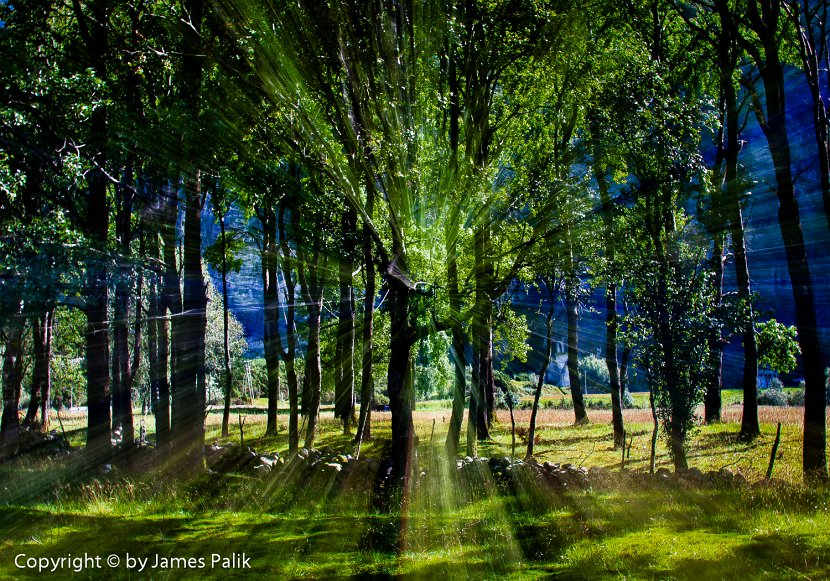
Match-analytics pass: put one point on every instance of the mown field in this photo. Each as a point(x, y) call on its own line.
point(330, 527)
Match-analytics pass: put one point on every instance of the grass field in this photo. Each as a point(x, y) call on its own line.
point(631, 530)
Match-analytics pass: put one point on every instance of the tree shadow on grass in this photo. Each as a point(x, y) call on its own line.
point(328, 546)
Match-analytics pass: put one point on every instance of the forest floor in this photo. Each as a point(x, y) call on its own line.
point(331, 527)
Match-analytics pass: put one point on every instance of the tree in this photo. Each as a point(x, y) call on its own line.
point(188, 385)
point(12, 380)
point(777, 346)
point(764, 26)
point(809, 21)
point(553, 287)
point(658, 123)
point(222, 256)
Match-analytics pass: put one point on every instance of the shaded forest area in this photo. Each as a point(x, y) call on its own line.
point(418, 185)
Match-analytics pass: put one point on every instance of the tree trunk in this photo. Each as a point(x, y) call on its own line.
point(572, 305)
point(344, 392)
point(12, 381)
point(749, 420)
point(457, 351)
point(367, 383)
point(611, 322)
point(712, 397)
point(169, 307)
point(312, 290)
point(41, 380)
point(399, 379)
point(654, 429)
point(814, 460)
point(227, 376)
point(290, 336)
point(716, 224)
point(189, 435)
point(188, 389)
point(810, 26)
point(121, 368)
point(271, 299)
point(97, 222)
point(543, 370)
point(482, 332)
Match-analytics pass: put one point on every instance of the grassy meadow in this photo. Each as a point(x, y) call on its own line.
point(330, 527)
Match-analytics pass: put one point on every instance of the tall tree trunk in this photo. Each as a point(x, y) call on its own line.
point(572, 311)
point(399, 379)
point(121, 372)
point(157, 347)
point(170, 305)
point(712, 396)
point(543, 370)
point(367, 383)
point(750, 427)
point(227, 375)
point(611, 321)
point(727, 62)
point(457, 350)
point(97, 225)
point(46, 385)
point(482, 333)
point(810, 27)
point(287, 267)
point(190, 435)
point(717, 219)
point(344, 393)
point(580, 414)
point(773, 123)
point(12, 381)
point(41, 380)
point(312, 290)
point(188, 396)
point(270, 295)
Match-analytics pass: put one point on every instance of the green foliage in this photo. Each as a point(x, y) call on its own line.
point(68, 363)
point(510, 335)
point(777, 346)
point(595, 372)
point(796, 397)
point(215, 343)
point(232, 244)
point(774, 395)
point(433, 370)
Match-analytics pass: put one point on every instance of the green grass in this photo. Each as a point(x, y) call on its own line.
point(629, 532)
point(315, 529)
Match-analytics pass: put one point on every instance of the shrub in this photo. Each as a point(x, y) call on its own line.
point(773, 395)
point(598, 404)
point(595, 372)
point(796, 398)
point(628, 400)
point(381, 398)
point(528, 377)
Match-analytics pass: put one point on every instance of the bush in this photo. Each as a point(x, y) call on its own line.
point(774, 394)
point(628, 400)
point(595, 372)
point(598, 404)
point(381, 398)
point(562, 403)
point(796, 398)
point(530, 378)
